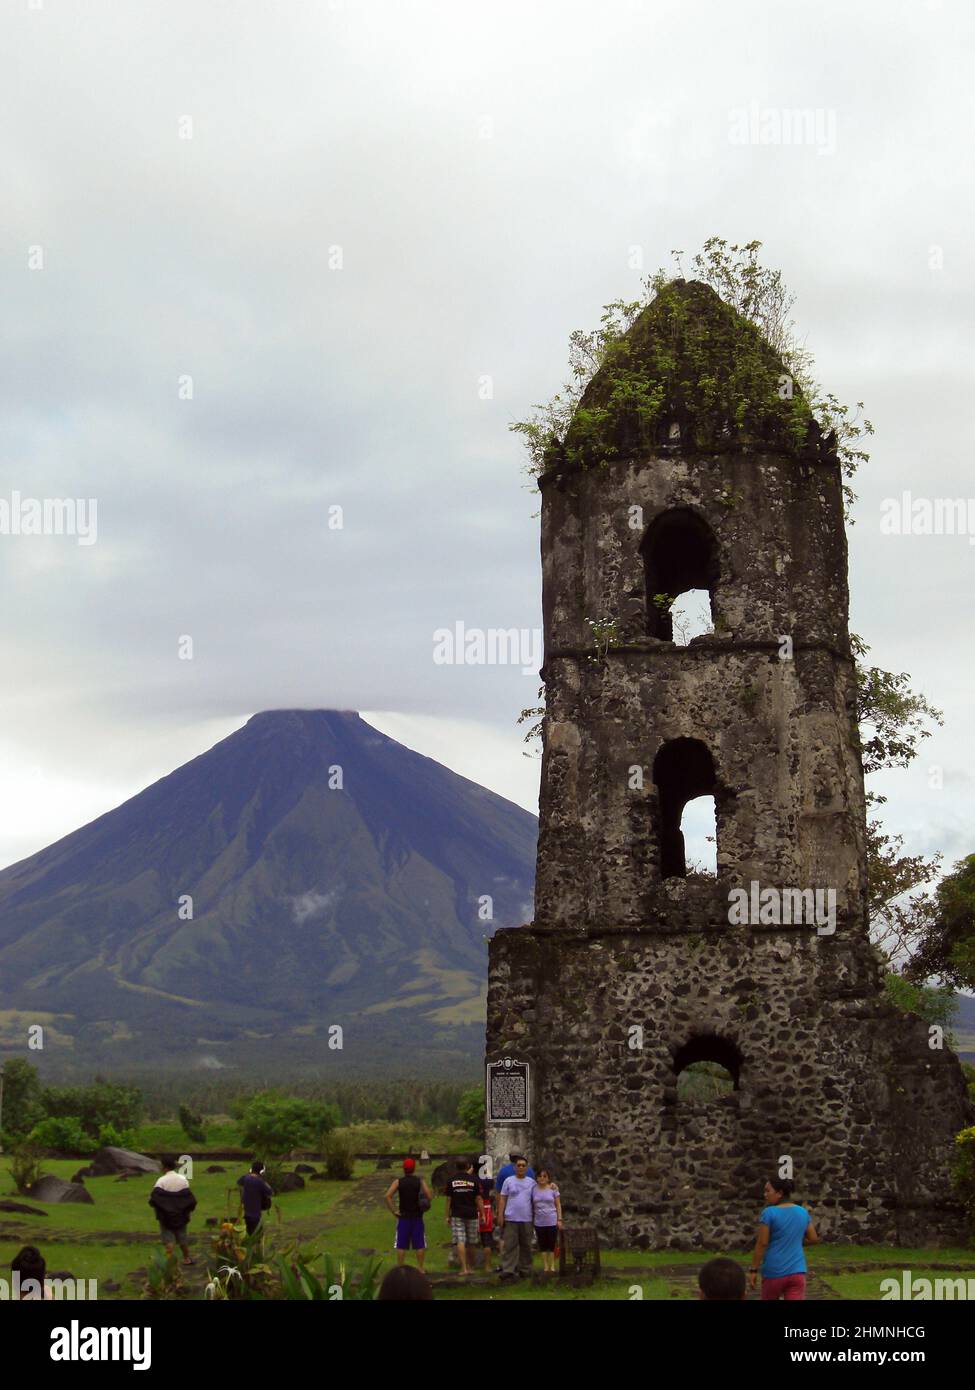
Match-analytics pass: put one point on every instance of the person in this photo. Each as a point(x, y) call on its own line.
point(464, 1208)
point(515, 1222)
point(256, 1195)
point(485, 1223)
point(547, 1218)
point(31, 1266)
point(721, 1281)
point(405, 1285)
point(173, 1203)
point(507, 1170)
point(784, 1227)
point(414, 1198)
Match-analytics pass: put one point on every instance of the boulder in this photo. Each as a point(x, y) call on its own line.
point(110, 1161)
point(22, 1207)
point(304, 1168)
point(216, 1168)
point(51, 1189)
point(443, 1172)
point(289, 1182)
point(81, 1174)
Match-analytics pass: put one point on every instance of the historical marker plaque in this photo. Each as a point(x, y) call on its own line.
point(508, 1092)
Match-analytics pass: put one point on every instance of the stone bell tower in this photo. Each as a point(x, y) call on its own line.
point(688, 466)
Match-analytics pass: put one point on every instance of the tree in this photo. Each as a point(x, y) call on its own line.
point(103, 1103)
point(944, 938)
point(22, 1108)
point(471, 1112)
point(892, 718)
point(275, 1124)
point(192, 1125)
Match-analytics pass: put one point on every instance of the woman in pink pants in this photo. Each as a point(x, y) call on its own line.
point(784, 1228)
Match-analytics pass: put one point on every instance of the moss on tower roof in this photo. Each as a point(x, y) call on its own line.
point(691, 372)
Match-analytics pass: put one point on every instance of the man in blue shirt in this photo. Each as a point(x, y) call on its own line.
point(507, 1170)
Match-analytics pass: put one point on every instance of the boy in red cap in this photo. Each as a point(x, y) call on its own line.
point(414, 1199)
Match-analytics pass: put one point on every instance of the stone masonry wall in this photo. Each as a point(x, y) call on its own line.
point(830, 1076)
point(828, 1073)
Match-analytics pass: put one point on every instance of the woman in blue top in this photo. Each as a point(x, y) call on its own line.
point(784, 1228)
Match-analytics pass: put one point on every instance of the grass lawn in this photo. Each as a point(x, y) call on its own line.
point(116, 1235)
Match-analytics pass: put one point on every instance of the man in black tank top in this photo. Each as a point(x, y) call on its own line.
point(414, 1198)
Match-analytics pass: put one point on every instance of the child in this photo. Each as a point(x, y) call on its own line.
point(485, 1226)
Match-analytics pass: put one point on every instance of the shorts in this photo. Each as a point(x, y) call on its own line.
point(487, 1239)
point(463, 1230)
point(547, 1237)
point(410, 1234)
point(791, 1288)
point(171, 1238)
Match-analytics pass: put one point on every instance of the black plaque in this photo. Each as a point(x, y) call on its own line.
point(508, 1092)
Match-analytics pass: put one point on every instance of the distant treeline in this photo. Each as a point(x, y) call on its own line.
point(395, 1100)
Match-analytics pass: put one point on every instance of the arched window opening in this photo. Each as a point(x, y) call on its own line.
point(680, 556)
point(707, 1068)
point(683, 770)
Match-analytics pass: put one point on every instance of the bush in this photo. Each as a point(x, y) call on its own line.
point(339, 1157)
point(275, 1124)
point(164, 1277)
point(111, 1138)
point(63, 1135)
point(25, 1166)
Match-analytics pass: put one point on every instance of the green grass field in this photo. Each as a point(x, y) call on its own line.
point(113, 1239)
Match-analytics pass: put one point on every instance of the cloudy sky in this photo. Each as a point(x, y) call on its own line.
point(262, 260)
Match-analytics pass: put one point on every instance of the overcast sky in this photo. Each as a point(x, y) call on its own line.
point(338, 220)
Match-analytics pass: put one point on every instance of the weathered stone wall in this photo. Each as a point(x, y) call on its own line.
point(829, 1074)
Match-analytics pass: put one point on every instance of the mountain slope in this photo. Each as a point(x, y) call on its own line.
point(354, 903)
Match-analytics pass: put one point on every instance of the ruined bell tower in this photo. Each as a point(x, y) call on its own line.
point(691, 466)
